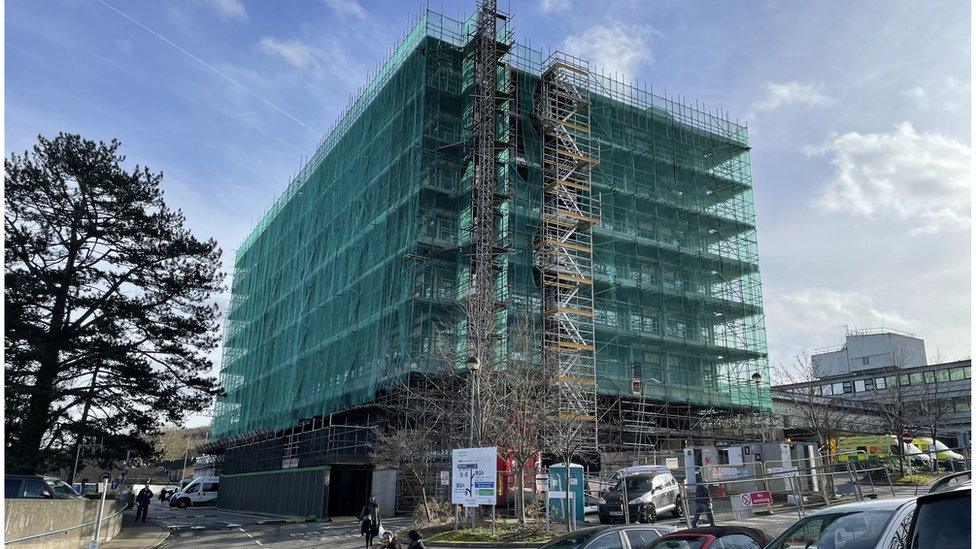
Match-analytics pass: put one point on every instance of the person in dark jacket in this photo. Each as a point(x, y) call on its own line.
point(142, 502)
point(370, 515)
point(390, 541)
point(703, 503)
point(416, 542)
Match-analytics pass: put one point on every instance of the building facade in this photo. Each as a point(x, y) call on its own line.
point(621, 220)
point(870, 350)
point(946, 385)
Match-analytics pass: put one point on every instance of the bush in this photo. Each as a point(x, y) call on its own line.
point(441, 512)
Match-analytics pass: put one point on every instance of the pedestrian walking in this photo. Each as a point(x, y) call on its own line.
point(142, 502)
point(370, 515)
point(703, 503)
point(390, 541)
point(416, 542)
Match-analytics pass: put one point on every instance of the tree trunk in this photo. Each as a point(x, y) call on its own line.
point(566, 510)
point(520, 500)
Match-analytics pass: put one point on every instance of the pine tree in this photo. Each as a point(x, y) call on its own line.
point(110, 312)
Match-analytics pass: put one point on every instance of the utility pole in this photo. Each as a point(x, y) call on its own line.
point(186, 456)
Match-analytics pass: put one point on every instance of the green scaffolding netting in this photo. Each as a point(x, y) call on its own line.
point(345, 283)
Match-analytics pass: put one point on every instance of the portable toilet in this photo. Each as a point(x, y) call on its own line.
point(557, 491)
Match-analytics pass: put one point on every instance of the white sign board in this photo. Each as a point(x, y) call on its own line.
point(445, 478)
point(473, 475)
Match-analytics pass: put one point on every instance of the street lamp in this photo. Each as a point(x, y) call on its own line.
point(473, 365)
point(757, 379)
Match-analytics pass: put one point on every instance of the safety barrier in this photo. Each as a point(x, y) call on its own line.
point(80, 535)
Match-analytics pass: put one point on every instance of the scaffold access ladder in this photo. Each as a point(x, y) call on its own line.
point(564, 246)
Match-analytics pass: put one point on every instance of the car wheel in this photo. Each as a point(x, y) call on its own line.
point(183, 503)
point(679, 508)
point(650, 514)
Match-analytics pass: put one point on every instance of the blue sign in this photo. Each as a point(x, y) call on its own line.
point(484, 485)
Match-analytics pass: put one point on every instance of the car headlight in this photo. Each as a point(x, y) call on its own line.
point(636, 501)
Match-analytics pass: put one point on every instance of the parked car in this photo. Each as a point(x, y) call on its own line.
point(199, 491)
point(877, 524)
point(949, 482)
point(635, 536)
point(37, 487)
point(714, 537)
point(942, 520)
point(649, 492)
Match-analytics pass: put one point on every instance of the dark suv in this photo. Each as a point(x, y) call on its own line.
point(649, 492)
point(36, 487)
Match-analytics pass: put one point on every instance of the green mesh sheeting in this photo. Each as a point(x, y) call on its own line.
point(337, 291)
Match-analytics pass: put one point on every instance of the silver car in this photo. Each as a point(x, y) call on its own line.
point(880, 524)
point(648, 494)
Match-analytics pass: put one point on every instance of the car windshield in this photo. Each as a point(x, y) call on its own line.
point(573, 540)
point(61, 489)
point(858, 530)
point(685, 542)
point(635, 483)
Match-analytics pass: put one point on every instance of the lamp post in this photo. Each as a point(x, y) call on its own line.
point(473, 365)
point(757, 379)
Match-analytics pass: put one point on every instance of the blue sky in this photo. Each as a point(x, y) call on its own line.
point(859, 118)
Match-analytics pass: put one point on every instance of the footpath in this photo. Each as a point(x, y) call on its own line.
point(138, 535)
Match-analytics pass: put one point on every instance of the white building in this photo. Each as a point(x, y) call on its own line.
point(870, 350)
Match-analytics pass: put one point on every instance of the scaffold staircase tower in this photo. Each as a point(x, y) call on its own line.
point(564, 247)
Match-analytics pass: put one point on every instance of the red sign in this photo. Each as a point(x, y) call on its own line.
point(757, 498)
point(907, 438)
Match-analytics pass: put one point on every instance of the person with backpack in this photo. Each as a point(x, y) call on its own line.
point(370, 517)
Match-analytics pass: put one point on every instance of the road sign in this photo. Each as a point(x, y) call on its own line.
point(445, 478)
point(751, 499)
point(907, 437)
point(473, 475)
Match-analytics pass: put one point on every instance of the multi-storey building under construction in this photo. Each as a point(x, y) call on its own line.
point(474, 169)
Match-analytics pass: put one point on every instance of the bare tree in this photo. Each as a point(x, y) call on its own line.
point(523, 386)
point(823, 416)
point(934, 401)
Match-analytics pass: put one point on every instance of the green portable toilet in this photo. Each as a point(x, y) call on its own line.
point(557, 491)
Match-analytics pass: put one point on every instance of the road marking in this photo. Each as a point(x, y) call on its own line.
point(233, 525)
point(250, 536)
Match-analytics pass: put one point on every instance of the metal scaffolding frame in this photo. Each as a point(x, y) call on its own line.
point(564, 247)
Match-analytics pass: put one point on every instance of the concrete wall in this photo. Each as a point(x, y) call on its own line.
point(25, 517)
point(871, 351)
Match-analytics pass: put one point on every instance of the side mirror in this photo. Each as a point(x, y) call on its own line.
point(46, 494)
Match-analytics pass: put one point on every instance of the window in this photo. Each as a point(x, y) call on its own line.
point(917, 379)
point(735, 541)
point(865, 360)
point(848, 387)
point(193, 489)
point(962, 406)
point(11, 488)
point(944, 523)
point(639, 537)
point(859, 386)
point(879, 383)
point(35, 488)
point(868, 384)
point(607, 541)
point(210, 487)
point(890, 381)
point(858, 529)
point(904, 380)
point(957, 373)
point(838, 388)
point(899, 539)
point(943, 375)
point(966, 373)
point(826, 390)
point(929, 377)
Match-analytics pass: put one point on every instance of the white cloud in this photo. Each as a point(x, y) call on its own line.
point(347, 7)
point(921, 178)
point(554, 6)
point(615, 48)
point(791, 93)
point(951, 94)
point(229, 9)
point(294, 51)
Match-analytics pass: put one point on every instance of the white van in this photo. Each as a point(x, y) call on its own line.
point(200, 491)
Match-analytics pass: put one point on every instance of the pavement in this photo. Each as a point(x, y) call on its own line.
point(169, 527)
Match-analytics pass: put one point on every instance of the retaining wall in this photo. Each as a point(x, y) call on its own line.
point(25, 517)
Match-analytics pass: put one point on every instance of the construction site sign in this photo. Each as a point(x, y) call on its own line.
point(473, 476)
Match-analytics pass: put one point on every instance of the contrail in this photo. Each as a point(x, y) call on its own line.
point(208, 65)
